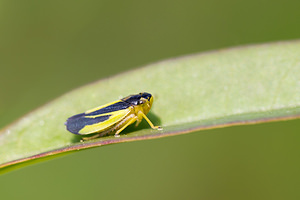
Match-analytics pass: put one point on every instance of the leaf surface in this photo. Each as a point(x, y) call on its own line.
point(234, 86)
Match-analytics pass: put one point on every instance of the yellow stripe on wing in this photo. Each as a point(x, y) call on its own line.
point(100, 107)
point(115, 118)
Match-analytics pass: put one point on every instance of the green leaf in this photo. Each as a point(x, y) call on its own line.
point(208, 90)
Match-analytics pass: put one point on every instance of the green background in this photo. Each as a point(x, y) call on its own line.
point(50, 47)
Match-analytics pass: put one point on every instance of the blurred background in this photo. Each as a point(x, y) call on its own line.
point(48, 48)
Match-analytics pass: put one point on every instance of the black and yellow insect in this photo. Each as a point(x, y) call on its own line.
point(112, 117)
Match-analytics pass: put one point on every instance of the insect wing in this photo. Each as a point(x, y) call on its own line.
point(110, 107)
point(110, 120)
point(98, 119)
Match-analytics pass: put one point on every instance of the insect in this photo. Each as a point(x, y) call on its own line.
point(112, 117)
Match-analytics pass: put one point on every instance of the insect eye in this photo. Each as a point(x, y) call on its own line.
point(141, 102)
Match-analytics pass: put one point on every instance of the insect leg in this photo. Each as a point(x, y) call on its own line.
point(149, 122)
point(123, 127)
point(138, 121)
point(95, 136)
point(89, 138)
